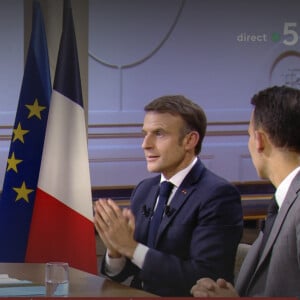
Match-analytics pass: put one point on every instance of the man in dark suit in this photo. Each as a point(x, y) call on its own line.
point(272, 265)
point(202, 222)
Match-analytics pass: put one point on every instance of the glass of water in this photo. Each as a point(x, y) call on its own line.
point(57, 279)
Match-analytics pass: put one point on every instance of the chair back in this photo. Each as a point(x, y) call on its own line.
point(241, 253)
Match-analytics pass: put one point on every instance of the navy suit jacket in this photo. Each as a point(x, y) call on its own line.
point(198, 238)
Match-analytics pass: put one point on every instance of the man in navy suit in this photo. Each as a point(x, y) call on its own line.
point(271, 268)
point(202, 223)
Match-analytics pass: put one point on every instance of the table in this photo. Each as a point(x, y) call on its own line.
point(82, 284)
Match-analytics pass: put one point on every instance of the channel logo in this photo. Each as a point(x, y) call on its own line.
point(289, 36)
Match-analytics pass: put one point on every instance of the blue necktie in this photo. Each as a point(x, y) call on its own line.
point(164, 193)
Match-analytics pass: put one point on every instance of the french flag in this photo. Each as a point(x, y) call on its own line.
point(62, 227)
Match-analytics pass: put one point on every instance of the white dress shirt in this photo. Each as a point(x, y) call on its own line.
point(283, 187)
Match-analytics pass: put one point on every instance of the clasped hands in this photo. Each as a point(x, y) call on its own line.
point(115, 227)
point(206, 287)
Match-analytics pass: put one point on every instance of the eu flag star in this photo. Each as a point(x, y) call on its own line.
point(35, 109)
point(12, 163)
point(22, 192)
point(19, 133)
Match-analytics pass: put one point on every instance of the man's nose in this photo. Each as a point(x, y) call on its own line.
point(146, 142)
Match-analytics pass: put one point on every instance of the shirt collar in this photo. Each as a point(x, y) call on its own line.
point(178, 177)
point(283, 187)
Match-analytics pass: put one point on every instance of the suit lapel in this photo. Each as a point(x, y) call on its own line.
point(181, 196)
point(178, 200)
point(286, 205)
point(276, 227)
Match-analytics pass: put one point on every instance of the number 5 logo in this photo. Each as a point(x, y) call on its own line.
point(287, 30)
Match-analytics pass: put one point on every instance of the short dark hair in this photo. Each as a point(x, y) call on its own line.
point(192, 114)
point(277, 111)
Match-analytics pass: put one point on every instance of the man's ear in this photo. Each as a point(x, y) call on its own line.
point(260, 140)
point(192, 139)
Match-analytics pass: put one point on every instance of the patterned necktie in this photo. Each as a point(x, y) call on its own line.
point(164, 193)
point(267, 225)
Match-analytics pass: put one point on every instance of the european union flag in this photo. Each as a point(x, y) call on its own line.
point(24, 158)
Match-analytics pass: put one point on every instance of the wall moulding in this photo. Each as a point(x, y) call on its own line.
point(133, 130)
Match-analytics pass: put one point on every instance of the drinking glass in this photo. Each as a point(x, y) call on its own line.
point(57, 279)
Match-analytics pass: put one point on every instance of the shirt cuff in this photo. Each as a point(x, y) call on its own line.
point(113, 266)
point(139, 255)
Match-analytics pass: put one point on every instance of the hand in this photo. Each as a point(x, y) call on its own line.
point(206, 287)
point(101, 226)
point(115, 227)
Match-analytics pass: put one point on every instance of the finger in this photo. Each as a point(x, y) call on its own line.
point(99, 206)
point(115, 209)
point(207, 283)
point(99, 223)
point(222, 283)
point(103, 230)
point(127, 213)
point(109, 211)
point(101, 219)
point(198, 291)
point(104, 211)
